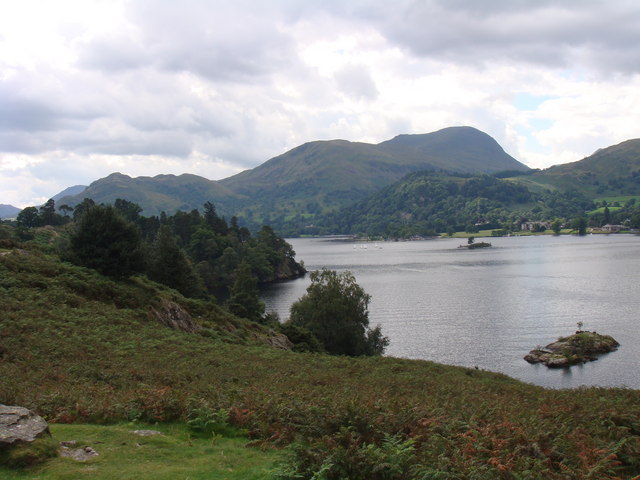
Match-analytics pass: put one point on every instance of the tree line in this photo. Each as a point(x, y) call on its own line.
point(201, 255)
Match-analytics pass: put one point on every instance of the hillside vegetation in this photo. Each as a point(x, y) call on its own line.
point(311, 179)
point(79, 347)
point(429, 203)
point(611, 171)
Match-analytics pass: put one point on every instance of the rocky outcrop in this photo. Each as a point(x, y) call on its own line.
point(578, 348)
point(19, 424)
point(172, 315)
point(279, 340)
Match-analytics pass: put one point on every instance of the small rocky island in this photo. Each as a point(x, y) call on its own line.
point(581, 347)
point(472, 245)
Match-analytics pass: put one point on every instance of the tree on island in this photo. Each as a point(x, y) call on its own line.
point(335, 311)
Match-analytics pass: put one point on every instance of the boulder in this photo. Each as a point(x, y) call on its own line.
point(19, 424)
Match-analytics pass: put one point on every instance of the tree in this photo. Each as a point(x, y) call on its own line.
point(580, 224)
point(65, 209)
point(219, 225)
point(28, 217)
point(48, 215)
point(335, 311)
point(245, 300)
point(556, 226)
point(129, 210)
point(170, 265)
point(105, 241)
point(607, 216)
point(83, 207)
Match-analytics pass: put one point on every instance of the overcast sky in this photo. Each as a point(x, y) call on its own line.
point(91, 87)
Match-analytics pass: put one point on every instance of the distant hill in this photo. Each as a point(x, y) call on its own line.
point(168, 193)
point(8, 211)
point(310, 179)
point(75, 190)
point(613, 170)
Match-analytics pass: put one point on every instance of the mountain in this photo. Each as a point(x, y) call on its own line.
point(310, 179)
point(610, 171)
point(325, 175)
point(8, 211)
point(168, 193)
point(75, 190)
point(455, 149)
point(429, 202)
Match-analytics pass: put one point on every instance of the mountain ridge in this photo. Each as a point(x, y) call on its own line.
point(317, 178)
point(8, 211)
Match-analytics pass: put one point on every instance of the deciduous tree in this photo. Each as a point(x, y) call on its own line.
point(335, 311)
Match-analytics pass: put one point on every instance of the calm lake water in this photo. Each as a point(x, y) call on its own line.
point(489, 307)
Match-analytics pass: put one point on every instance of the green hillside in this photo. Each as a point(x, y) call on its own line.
point(168, 193)
point(428, 203)
point(310, 179)
point(611, 171)
point(78, 347)
point(322, 176)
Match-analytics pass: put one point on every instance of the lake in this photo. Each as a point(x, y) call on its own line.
point(487, 308)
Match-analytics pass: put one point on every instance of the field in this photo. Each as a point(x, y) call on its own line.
point(82, 349)
point(175, 454)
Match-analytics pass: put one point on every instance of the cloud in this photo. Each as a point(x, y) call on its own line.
point(558, 35)
point(356, 82)
point(145, 87)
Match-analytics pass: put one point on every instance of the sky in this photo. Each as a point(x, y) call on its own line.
point(211, 87)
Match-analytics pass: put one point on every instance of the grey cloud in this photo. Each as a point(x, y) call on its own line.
point(356, 82)
point(589, 34)
point(216, 40)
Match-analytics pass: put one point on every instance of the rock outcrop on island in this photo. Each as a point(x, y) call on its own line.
point(581, 347)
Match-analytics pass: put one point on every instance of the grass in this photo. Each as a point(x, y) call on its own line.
point(622, 199)
point(601, 210)
point(79, 348)
point(174, 455)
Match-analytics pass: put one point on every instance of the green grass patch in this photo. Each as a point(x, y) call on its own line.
point(601, 210)
point(176, 454)
point(622, 199)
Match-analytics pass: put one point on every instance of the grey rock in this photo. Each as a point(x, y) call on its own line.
point(19, 424)
point(174, 316)
point(279, 340)
point(146, 433)
point(78, 454)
